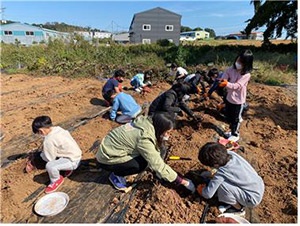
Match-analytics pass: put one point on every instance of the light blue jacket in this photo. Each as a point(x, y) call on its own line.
point(138, 80)
point(126, 104)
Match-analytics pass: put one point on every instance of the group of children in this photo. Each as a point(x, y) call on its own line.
point(135, 146)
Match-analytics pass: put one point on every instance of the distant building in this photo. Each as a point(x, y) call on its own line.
point(122, 38)
point(257, 36)
point(89, 35)
point(153, 25)
point(253, 36)
point(27, 34)
point(194, 35)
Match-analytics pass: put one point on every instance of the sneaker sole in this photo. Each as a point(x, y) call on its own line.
point(240, 214)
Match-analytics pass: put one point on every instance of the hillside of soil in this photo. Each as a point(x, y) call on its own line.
point(268, 135)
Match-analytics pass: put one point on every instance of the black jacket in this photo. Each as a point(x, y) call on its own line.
point(169, 101)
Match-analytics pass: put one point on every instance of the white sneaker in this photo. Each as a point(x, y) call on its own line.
point(234, 138)
point(138, 90)
point(230, 210)
point(222, 209)
point(186, 97)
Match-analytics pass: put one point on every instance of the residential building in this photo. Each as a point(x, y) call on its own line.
point(153, 25)
point(194, 35)
point(256, 35)
point(122, 38)
point(253, 36)
point(27, 34)
point(89, 35)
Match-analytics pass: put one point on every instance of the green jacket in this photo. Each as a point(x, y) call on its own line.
point(131, 140)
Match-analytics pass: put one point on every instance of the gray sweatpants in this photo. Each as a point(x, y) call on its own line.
point(53, 167)
point(231, 195)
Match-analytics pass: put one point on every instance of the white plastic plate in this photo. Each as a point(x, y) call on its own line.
point(51, 204)
point(239, 219)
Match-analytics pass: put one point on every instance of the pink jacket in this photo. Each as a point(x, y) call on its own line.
point(236, 86)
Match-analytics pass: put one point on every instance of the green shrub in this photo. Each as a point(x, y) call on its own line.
point(275, 65)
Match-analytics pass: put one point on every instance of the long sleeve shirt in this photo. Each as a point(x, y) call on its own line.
point(59, 143)
point(138, 80)
point(126, 104)
point(237, 172)
point(237, 86)
point(215, 84)
point(169, 102)
point(134, 139)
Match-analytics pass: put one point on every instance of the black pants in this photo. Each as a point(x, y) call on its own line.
point(136, 165)
point(233, 114)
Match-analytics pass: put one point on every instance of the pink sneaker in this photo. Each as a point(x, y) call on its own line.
point(54, 186)
point(68, 173)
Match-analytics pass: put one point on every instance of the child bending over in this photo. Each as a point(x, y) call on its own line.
point(235, 181)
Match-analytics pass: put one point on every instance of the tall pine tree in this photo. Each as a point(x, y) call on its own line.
point(276, 16)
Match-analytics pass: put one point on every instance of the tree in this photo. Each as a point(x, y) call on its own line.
point(211, 32)
point(276, 16)
point(198, 29)
point(184, 29)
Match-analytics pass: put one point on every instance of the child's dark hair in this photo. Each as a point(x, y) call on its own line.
point(212, 72)
point(41, 122)
point(119, 73)
point(181, 88)
point(174, 65)
point(246, 58)
point(213, 154)
point(162, 122)
point(148, 73)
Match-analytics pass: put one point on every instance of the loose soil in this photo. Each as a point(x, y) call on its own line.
point(268, 135)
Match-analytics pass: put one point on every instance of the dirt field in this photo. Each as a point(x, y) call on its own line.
point(268, 134)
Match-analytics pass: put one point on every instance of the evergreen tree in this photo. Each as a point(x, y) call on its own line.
point(276, 16)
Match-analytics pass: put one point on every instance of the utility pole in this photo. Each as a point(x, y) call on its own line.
point(2, 9)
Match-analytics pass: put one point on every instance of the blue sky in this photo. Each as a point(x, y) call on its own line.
point(224, 17)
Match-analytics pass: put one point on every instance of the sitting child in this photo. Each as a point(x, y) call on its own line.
point(126, 104)
point(60, 151)
point(235, 181)
point(141, 80)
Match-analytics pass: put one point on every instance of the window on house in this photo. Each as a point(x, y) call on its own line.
point(146, 41)
point(169, 27)
point(146, 27)
point(7, 32)
point(29, 33)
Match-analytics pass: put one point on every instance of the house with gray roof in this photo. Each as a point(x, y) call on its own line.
point(153, 25)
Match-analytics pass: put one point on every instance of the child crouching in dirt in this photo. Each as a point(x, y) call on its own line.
point(126, 104)
point(60, 151)
point(235, 181)
point(141, 80)
point(131, 148)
